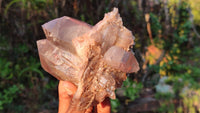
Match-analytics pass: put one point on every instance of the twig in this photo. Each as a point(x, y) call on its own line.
point(147, 17)
point(195, 31)
point(140, 5)
point(167, 25)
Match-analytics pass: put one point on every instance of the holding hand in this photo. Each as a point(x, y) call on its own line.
point(66, 90)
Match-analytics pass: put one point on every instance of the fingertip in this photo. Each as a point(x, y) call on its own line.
point(65, 91)
point(66, 87)
point(89, 110)
point(104, 107)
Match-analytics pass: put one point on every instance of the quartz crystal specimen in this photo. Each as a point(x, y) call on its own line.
point(94, 58)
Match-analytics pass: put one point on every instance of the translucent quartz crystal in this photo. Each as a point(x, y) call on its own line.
point(94, 58)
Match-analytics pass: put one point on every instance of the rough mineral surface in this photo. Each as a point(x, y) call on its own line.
point(94, 58)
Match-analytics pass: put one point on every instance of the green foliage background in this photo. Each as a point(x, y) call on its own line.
point(174, 27)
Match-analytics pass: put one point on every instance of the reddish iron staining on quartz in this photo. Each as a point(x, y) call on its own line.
point(94, 58)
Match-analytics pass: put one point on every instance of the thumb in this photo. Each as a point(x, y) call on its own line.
point(104, 107)
point(66, 90)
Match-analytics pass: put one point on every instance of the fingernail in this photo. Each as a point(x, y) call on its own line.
point(69, 92)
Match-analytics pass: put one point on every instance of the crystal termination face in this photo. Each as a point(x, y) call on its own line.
point(94, 58)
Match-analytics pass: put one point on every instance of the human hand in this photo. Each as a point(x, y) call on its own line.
point(66, 90)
